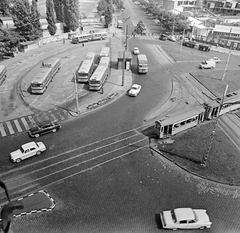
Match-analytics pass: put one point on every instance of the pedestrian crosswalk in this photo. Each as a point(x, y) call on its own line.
point(23, 124)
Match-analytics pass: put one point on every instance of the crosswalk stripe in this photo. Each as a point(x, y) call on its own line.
point(18, 125)
point(32, 121)
point(25, 123)
point(10, 128)
point(2, 130)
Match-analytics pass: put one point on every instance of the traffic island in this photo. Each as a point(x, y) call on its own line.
point(187, 150)
point(35, 203)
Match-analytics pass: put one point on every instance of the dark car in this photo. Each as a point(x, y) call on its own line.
point(163, 37)
point(44, 128)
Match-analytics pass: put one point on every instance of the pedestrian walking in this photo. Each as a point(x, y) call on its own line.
point(82, 44)
point(63, 40)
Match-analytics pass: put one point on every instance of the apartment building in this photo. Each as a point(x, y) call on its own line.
point(229, 7)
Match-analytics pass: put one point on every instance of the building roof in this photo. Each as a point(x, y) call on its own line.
point(227, 29)
point(194, 21)
point(230, 17)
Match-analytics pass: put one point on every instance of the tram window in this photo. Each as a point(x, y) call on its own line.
point(189, 121)
point(176, 126)
point(183, 122)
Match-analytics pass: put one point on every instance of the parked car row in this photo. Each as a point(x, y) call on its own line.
point(30, 149)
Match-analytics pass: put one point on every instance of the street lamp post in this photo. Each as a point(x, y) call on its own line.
point(125, 49)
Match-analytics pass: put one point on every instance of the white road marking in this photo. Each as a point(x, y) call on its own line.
point(25, 123)
point(10, 128)
point(17, 125)
point(2, 130)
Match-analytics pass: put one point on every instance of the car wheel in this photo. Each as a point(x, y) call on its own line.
point(18, 160)
point(174, 229)
point(38, 152)
point(37, 135)
point(201, 228)
point(54, 130)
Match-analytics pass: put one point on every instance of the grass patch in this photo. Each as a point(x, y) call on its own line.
point(188, 149)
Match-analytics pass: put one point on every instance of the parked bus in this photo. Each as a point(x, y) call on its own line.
point(100, 74)
point(142, 63)
point(105, 52)
point(102, 35)
point(119, 23)
point(45, 75)
point(3, 73)
point(91, 36)
point(81, 38)
point(86, 68)
point(179, 121)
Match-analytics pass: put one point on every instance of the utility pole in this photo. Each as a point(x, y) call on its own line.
point(182, 40)
point(76, 91)
point(204, 160)
point(125, 49)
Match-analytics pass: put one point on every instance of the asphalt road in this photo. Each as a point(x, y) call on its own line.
point(101, 173)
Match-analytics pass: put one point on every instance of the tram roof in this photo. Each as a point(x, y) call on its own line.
point(184, 114)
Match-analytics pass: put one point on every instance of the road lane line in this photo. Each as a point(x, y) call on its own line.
point(10, 128)
point(2, 130)
point(25, 123)
point(54, 163)
point(18, 188)
point(17, 125)
point(135, 133)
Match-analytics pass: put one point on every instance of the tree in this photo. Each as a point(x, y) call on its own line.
point(9, 41)
point(108, 16)
point(36, 18)
point(52, 28)
point(4, 7)
point(102, 5)
point(71, 14)
point(58, 7)
point(26, 19)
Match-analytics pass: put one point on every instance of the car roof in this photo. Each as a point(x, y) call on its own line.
point(135, 47)
point(136, 85)
point(27, 145)
point(184, 214)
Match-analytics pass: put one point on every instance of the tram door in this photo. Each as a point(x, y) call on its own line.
point(167, 131)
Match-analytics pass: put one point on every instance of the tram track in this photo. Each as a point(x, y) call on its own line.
point(55, 169)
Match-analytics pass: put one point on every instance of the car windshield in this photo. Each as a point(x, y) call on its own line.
point(173, 216)
point(135, 88)
point(21, 149)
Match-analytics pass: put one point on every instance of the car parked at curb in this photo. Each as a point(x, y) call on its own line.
point(135, 89)
point(185, 218)
point(26, 151)
point(44, 128)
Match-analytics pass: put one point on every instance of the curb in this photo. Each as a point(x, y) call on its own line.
point(192, 173)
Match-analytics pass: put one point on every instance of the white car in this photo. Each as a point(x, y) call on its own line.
point(136, 51)
point(185, 218)
point(216, 59)
point(26, 151)
point(135, 89)
point(172, 38)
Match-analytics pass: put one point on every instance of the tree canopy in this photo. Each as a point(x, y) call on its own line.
point(52, 28)
point(26, 19)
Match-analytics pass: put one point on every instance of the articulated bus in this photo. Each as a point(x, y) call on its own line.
point(100, 74)
point(142, 63)
point(86, 69)
point(3, 73)
point(80, 38)
point(105, 52)
point(179, 121)
point(45, 75)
